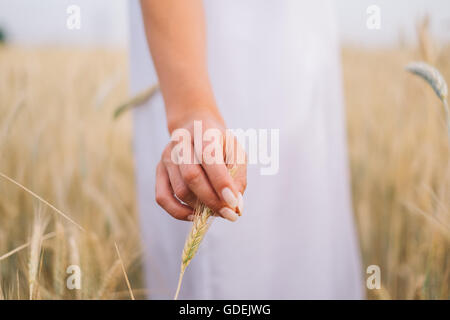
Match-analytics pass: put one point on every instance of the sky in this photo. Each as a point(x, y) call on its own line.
point(104, 22)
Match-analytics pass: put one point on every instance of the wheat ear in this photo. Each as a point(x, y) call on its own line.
point(203, 217)
point(435, 79)
point(200, 225)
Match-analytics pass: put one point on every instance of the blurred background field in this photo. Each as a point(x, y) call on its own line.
point(58, 138)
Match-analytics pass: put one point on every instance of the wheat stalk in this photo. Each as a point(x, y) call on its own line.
point(435, 79)
point(39, 226)
point(203, 217)
point(2, 296)
point(136, 101)
point(109, 280)
point(65, 216)
point(124, 272)
point(426, 44)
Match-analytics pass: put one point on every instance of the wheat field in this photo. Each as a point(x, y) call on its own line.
point(58, 138)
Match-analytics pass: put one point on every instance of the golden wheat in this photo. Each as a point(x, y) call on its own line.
point(435, 79)
point(35, 254)
point(136, 101)
point(58, 140)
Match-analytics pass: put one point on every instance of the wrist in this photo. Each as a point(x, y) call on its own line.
point(180, 117)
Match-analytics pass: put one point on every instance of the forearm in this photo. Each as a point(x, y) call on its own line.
point(177, 38)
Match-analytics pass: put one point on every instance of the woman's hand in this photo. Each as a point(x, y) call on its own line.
point(200, 174)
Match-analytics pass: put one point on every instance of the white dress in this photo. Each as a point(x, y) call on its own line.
point(274, 64)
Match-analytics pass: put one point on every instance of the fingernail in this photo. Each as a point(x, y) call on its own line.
point(190, 217)
point(228, 214)
point(240, 203)
point(229, 198)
